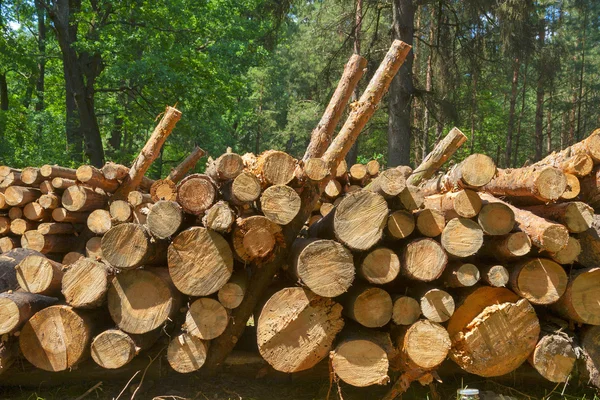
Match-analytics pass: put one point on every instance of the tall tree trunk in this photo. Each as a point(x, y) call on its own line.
point(521, 113)
point(583, 37)
point(401, 89)
point(473, 107)
point(40, 85)
point(572, 113)
point(428, 87)
point(549, 124)
point(3, 104)
point(352, 155)
point(511, 113)
point(539, 102)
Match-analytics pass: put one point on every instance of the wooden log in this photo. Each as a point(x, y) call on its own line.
point(581, 299)
point(573, 188)
point(17, 307)
point(64, 215)
point(589, 146)
point(46, 187)
point(93, 248)
point(200, 261)
point(18, 196)
point(358, 221)
point(114, 348)
point(405, 310)
point(280, 204)
point(373, 168)
point(473, 172)
point(220, 217)
point(8, 262)
point(333, 189)
point(423, 260)
point(324, 266)
point(554, 357)
point(9, 243)
point(368, 305)
point(5, 170)
point(57, 338)
point(38, 274)
point(233, 292)
point(31, 176)
point(20, 226)
point(358, 173)
point(495, 275)
point(141, 314)
point(3, 205)
point(568, 254)
point(149, 153)
point(496, 219)
point(72, 257)
point(62, 183)
point(56, 171)
point(99, 221)
point(430, 222)
point(539, 280)
point(49, 201)
point(341, 172)
point(196, 193)
point(287, 318)
point(390, 183)
point(206, 319)
point(226, 167)
point(163, 189)
point(492, 332)
point(92, 176)
point(9, 353)
point(441, 153)
point(464, 203)
point(541, 183)
point(120, 211)
point(400, 224)
point(437, 305)
point(186, 165)
point(589, 340)
point(4, 225)
point(316, 169)
point(380, 266)
point(46, 243)
point(580, 164)
point(35, 212)
point(576, 216)
point(187, 353)
point(85, 283)
point(128, 246)
point(256, 238)
point(462, 237)
point(81, 198)
point(543, 233)
point(275, 168)
point(411, 198)
point(244, 189)
point(326, 208)
point(458, 274)
point(140, 213)
point(15, 213)
point(137, 198)
point(421, 346)
point(164, 219)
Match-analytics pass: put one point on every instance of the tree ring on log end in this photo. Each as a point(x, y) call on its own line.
point(551, 183)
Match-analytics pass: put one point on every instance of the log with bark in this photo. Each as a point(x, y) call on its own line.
point(474, 172)
point(38, 274)
point(16, 308)
point(130, 245)
point(529, 183)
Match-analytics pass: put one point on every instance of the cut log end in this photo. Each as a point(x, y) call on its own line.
point(437, 305)
point(405, 311)
point(554, 238)
point(425, 344)
point(187, 353)
point(573, 187)
point(431, 222)
point(462, 275)
point(462, 237)
point(85, 283)
point(495, 275)
point(280, 204)
point(164, 219)
point(196, 193)
point(569, 254)
point(496, 219)
point(370, 306)
point(127, 246)
point(359, 219)
point(477, 170)
point(539, 280)
point(206, 319)
point(360, 363)
point(316, 169)
point(551, 183)
point(245, 187)
point(113, 349)
point(400, 224)
point(380, 266)
point(554, 357)
point(37, 274)
point(581, 301)
point(424, 260)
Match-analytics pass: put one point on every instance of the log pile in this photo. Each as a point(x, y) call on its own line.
point(386, 273)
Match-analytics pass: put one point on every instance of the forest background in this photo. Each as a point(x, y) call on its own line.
point(83, 81)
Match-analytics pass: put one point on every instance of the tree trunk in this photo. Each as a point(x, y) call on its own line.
point(511, 115)
point(3, 103)
point(539, 103)
point(519, 123)
point(40, 85)
point(401, 89)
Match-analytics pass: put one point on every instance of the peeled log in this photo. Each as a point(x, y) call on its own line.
point(430, 222)
point(136, 313)
point(464, 203)
point(164, 219)
point(543, 233)
point(473, 172)
point(206, 319)
point(128, 246)
point(82, 198)
point(17, 307)
point(358, 221)
point(496, 219)
point(85, 283)
point(380, 266)
point(405, 311)
point(576, 216)
point(280, 204)
point(369, 306)
point(423, 260)
point(196, 193)
point(437, 305)
point(296, 329)
point(554, 357)
point(256, 238)
point(462, 237)
point(56, 338)
point(389, 183)
point(200, 261)
point(581, 299)
point(187, 353)
point(539, 280)
point(422, 346)
point(114, 348)
point(37, 274)
point(233, 292)
point(324, 266)
point(492, 332)
point(541, 183)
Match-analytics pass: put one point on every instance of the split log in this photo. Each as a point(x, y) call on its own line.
point(81, 198)
point(369, 306)
point(37, 274)
point(495, 275)
point(120, 211)
point(358, 221)
point(164, 219)
point(245, 188)
point(49, 201)
point(280, 204)
point(186, 165)
point(20, 226)
point(379, 266)
point(35, 212)
point(275, 168)
point(530, 183)
point(287, 319)
point(137, 198)
point(18, 196)
point(92, 176)
point(492, 332)
point(138, 314)
point(220, 217)
point(326, 267)
point(256, 238)
point(85, 283)
point(114, 348)
point(99, 221)
point(459, 274)
point(405, 311)
point(430, 222)
point(46, 243)
point(128, 246)
point(31, 176)
point(62, 183)
point(464, 203)
point(17, 307)
point(568, 254)
point(8, 243)
point(56, 171)
point(206, 319)
point(543, 233)
point(400, 224)
point(437, 305)
point(57, 338)
point(64, 215)
point(539, 280)
point(93, 248)
point(196, 193)
point(390, 183)
point(438, 156)
point(423, 260)
point(8, 262)
point(226, 167)
point(576, 216)
point(422, 346)
point(462, 237)
point(187, 353)
point(119, 172)
point(581, 299)
point(554, 357)
point(358, 173)
point(200, 261)
point(149, 153)
point(72, 257)
point(233, 292)
point(411, 198)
